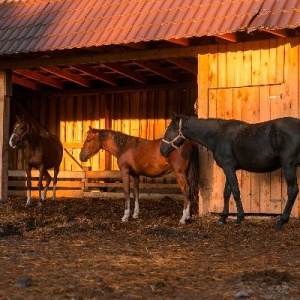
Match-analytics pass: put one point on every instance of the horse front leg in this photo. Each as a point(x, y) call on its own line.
point(126, 186)
point(186, 192)
point(231, 180)
point(136, 192)
point(28, 176)
point(292, 192)
point(226, 194)
point(48, 179)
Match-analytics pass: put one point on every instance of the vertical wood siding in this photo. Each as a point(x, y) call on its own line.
point(254, 81)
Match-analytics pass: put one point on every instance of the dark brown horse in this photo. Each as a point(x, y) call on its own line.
point(261, 147)
point(41, 152)
point(137, 156)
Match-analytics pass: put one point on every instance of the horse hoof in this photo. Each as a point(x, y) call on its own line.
point(280, 223)
point(124, 220)
point(239, 220)
point(222, 221)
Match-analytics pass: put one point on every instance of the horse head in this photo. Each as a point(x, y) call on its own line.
point(173, 137)
point(22, 130)
point(91, 146)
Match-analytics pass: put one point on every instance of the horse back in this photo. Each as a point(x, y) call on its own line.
point(262, 146)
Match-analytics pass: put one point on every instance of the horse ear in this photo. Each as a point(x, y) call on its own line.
point(174, 115)
point(90, 128)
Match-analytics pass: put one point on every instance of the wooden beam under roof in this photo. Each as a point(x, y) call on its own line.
point(95, 73)
point(184, 64)
point(280, 32)
point(39, 77)
point(157, 70)
point(231, 37)
point(24, 82)
point(180, 41)
point(147, 54)
point(63, 73)
point(126, 72)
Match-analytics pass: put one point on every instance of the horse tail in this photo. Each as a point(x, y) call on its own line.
point(193, 178)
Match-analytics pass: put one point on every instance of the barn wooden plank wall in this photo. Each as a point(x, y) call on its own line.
point(143, 113)
point(253, 81)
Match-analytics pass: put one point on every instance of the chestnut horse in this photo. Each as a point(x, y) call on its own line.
point(41, 152)
point(260, 147)
point(137, 156)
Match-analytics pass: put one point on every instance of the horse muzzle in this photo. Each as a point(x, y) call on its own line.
point(14, 141)
point(83, 157)
point(165, 152)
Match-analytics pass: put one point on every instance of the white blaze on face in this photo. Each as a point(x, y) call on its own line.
point(11, 139)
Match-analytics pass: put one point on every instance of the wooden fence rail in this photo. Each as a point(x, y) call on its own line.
point(98, 184)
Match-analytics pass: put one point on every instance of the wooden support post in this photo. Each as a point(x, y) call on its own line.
point(5, 94)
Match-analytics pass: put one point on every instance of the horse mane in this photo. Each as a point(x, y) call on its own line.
point(119, 137)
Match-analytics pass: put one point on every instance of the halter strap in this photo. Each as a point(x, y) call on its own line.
point(180, 135)
point(22, 135)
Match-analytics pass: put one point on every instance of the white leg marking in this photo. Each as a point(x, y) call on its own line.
point(126, 215)
point(136, 209)
point(54, 192)
point(44, 193)
point(28, 198)
point(185, 215)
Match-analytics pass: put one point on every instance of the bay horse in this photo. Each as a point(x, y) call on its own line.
point(41, 152)
point(260, 147)
point(137, 156)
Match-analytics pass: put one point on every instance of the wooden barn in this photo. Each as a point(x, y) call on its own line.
point(128, 65)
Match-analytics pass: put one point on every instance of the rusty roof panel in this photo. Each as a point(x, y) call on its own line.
point(44, 25)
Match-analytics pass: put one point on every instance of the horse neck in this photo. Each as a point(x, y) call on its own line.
point(33, 139)
point(203, 131)
point(109, 142)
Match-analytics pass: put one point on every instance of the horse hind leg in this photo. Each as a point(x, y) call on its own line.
point(28, 175)
point(56, 170)
point(292, 192)
point(126, 187)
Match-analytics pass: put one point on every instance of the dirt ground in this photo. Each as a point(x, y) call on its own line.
point(79, 249)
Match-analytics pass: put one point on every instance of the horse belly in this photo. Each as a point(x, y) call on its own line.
point(258, 162)
point(144, 162)
point(151, 169)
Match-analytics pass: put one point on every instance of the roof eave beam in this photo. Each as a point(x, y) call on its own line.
point(126, 72)
point(184, 64)
point(280, 32)
point(39, 77)
point(24, 82)
point(60, 72)
point(157, 70)
point(230, 37)
point(96, 74)
point(180, 41)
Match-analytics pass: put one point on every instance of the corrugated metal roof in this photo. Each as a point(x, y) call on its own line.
point(40, 25)
point(277, 14)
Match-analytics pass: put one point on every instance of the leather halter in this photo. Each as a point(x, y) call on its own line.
point(180, 135)
point(23, 135)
